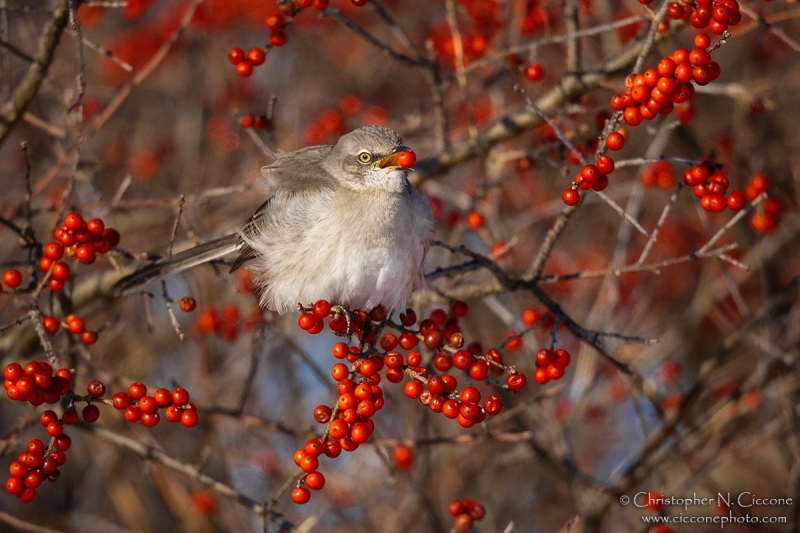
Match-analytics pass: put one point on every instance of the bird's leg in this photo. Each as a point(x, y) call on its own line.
point(340, 310)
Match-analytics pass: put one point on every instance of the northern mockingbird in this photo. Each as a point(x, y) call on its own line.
point(342, 224)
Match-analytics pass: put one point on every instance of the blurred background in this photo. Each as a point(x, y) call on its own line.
point(140, 115)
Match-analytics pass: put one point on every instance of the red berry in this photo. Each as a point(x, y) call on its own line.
point(95, 226)
point(274, 21)
point(74, 221)
point(235, 56)
point(111, 236)
point(132, 413)
point(515, 381)
point(492, 405)
point(555, 371)
point(137, 390)
point(120, 400)
point(180, 397)
point(14, 485)
point(90, 413)
point(406, 158)
point(148, 404)
point(475, 220)
point(702, 40)
point(53, 251)
point(278, 38)
point(150, 419)
point(69, 417)
point(615, 141)
point(534, 72)
point(570, 197)
point(478, 370)
point(307, 321)
point(605, 164)
point(60, 271)
point(256, 56)
point(96, 388)
point(50, 324)
point(315, 481)
point(301, 495)
point(321, 309)
point(88, 337)
point(188, 304)
point(163, 397)
point(173, 414)
point(12, 278)
point(244, 69)
point(190, 418)
point(540, 376)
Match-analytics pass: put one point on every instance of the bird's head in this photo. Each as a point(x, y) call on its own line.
point(371, 158)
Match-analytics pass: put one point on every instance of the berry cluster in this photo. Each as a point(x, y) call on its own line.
point(709, 183)
point(349, 422)
point(259, 122)
point(591, 176)
point(244, 63)
point(716, 15)
point(227, 322)
point(36, 383)
point(658, 174)
point(74, 324)
point(75, 238)
point(330, 123)
point(276, 23)
point(657, 90)
point(138, 406)
point(35, 464)
point(466, 511)
point(766, 219)
point(550, 364)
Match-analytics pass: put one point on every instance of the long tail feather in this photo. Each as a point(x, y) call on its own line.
point(168, 266)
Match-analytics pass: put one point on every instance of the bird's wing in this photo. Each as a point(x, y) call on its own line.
point(246, 253)
point(294, 173)
point(300, 171)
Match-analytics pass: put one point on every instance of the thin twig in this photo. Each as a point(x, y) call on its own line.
point(13, 109)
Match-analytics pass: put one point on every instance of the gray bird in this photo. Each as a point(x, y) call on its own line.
point(343, 224)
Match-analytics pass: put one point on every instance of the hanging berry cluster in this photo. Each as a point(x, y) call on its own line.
point(276, 23)
point(709, 183)
point(360, 395)
point(716, 15)
point(78, 239)
point(36, 464)
point(465, 511)
point(74, 325)
point(228, 321)
point(657, 90)
point(138, 406)
point(259, 122)
point(36, 383)
point(766, 219)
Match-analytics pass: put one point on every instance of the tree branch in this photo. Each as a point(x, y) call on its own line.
point(27, 89)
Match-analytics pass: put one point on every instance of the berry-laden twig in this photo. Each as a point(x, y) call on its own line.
point(349, 422)
point(37, 383)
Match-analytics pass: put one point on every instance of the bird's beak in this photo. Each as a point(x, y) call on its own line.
point(388, 161)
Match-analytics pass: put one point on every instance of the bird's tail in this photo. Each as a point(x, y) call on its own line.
point(174, 264)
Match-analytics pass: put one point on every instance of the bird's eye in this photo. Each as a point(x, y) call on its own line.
point(365, 157)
